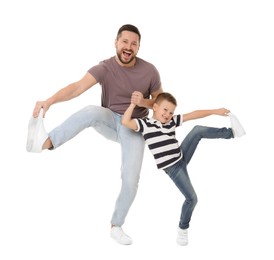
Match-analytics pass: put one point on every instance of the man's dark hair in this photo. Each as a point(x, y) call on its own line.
point(130, 28)
point(166, 96)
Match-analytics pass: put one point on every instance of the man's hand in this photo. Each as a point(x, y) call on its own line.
point(137, 98)
point(38, 106)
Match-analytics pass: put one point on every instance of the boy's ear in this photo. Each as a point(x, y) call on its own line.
point(154, 107)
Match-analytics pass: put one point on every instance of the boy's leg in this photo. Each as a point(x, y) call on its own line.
point(198, 132)
point(179, 175)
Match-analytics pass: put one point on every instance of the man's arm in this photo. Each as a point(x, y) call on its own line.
point(138, 98)
point(127, 120)
point(204, 113)
point(69, 92)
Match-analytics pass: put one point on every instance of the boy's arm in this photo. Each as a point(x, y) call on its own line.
point(127, 120)
point(204, 113)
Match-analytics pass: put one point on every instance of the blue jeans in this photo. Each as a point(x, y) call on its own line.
point(108, 124)
point(178, 172)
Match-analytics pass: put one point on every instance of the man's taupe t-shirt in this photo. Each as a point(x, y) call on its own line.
point(119, 82)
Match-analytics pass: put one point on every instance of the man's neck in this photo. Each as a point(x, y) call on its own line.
point(128, 65)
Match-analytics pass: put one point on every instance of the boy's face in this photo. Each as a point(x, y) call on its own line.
point(163, 111)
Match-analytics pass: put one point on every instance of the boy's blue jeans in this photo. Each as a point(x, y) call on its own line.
point(108, 123)
point(178, 172)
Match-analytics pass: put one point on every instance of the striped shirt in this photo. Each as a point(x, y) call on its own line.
point(161, 139)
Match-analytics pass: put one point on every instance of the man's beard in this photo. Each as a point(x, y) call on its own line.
point(124, 62)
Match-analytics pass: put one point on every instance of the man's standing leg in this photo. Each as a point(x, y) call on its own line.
point(132, 148)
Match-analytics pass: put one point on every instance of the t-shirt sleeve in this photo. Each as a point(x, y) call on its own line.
point(98, 71)
point(178, 119)
point(156, 80)
point(140, 127)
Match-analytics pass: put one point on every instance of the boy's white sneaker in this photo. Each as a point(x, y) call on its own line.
point(37, 134)
point(182, 237)
point(120, 236)
point(236, 126)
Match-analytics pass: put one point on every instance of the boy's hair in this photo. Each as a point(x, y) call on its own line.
point(166, 96)
point(130, 28)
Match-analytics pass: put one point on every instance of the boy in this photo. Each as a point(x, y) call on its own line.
point(159, 134)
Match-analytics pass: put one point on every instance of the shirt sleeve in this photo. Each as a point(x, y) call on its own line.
point(98, 71)
point(178, 119)
point(140, 127)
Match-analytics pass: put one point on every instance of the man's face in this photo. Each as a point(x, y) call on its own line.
point(127, 46)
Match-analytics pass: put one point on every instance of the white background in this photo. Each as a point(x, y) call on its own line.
point(210, 54)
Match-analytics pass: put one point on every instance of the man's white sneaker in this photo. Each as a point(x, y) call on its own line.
point(119, 235)
point(37, 134)
point(182, 237)
point(236, 126)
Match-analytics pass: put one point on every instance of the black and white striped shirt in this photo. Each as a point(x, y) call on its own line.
point(161, 139)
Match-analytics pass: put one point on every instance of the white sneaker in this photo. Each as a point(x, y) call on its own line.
point(236, 126)
point(182, 237)
point(119, 236)
point(37, 134)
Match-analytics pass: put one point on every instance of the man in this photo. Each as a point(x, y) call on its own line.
point(118, 76)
